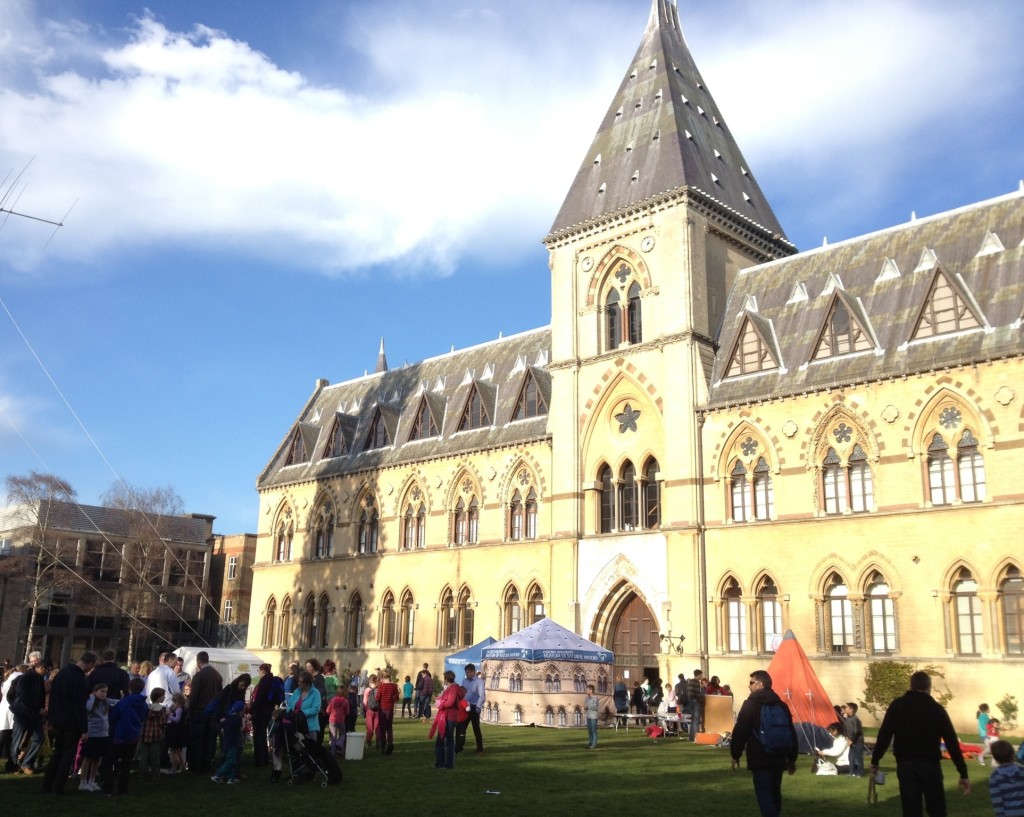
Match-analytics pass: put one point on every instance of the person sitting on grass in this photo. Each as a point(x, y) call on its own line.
point(836, 756)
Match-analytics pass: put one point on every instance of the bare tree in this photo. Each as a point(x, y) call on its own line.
point(145, 556)
point(42, 563)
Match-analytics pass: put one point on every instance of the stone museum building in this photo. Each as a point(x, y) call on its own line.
point(716, 439)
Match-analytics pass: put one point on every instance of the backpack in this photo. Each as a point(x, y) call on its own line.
point(371, 700)
point(774, 733)
point(275, 695)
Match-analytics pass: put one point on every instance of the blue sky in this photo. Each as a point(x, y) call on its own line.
point(263, 190)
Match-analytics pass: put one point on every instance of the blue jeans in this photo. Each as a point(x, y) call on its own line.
point(229, 768)
point(592, 731)
point(696, 718)
point(34, 728)
point(768, 791)
point(857, 758)
point(921, 778)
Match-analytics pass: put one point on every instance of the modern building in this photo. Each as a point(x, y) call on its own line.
point(716, 439)
point(81, 577)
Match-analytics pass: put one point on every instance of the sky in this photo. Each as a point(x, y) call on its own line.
point(254, 193)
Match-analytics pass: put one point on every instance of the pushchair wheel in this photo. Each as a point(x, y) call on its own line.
point(323, 784)
point(291, 781)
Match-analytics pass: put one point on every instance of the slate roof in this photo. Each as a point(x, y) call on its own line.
point(885, 278)
point(113, 522)
point(664, 132)
point(497, 369)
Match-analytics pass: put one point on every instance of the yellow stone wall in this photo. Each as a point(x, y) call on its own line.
point(916, 547)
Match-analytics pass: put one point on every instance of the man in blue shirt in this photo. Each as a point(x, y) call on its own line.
point(475, 697)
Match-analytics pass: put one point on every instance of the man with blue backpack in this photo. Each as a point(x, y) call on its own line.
point(764, 729)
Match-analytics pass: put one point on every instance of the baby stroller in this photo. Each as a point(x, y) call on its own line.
point(307, 760)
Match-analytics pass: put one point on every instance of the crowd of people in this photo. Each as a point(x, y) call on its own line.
point(685, 698)
point(100, 721)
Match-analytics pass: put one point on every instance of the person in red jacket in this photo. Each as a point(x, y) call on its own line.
point(451, 710)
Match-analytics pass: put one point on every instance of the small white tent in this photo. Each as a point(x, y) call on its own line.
point(230, 663)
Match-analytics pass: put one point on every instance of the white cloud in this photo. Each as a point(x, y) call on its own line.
point(441, 124)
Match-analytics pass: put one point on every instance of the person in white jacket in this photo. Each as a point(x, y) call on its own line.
point(838, 754)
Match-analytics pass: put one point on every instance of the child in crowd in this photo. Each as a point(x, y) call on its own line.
point(232, 725)
point(591, 705)
point(854, 732)
point(127, 718)
point(834, 759)
point(96, 740)
point(337, 714)
point(153, 736)
point(991, 736)
point(370, 710)
point(983, 718)
point(407, 691)
point(1006, 784)
point(177, 732)
point(353, 707)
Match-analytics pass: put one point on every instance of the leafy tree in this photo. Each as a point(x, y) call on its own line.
point(884, 681)
point(43, 563)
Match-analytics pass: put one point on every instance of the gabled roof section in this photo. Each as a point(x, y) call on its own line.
point(753, 350)
point(662, 132)
point(303, 443)
point(478, 410)
point(340, 436)
point(428, 417)
point(534, 394)
point(940, 267)
point(396, 396)
point(948, 307)
point(378, 434)
point(845, 329)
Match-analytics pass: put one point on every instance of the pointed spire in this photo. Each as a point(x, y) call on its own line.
point(678, 138)
point(382, 359)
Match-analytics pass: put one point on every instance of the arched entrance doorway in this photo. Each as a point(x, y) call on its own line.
point(628, 628)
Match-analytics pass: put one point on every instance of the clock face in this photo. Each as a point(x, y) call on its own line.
point(587, 263)
point(647, 244)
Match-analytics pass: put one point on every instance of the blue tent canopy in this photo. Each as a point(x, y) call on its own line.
point(471, 655)
point(547, 641)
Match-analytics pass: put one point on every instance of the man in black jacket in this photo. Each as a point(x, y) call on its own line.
point(918, 723)
point(68, 720)
point(206, 685)
point(765, 767)
point(109, 673)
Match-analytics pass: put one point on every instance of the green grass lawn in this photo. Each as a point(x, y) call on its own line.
point(536, 771)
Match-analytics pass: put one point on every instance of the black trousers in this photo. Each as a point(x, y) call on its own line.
point(202, 738)
point(117, 767)
point(460, 733)
point(65, 746)
point(921, 779)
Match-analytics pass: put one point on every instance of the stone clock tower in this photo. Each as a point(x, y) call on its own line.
point(663, 213)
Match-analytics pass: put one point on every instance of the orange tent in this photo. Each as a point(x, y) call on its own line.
point(794, 680)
